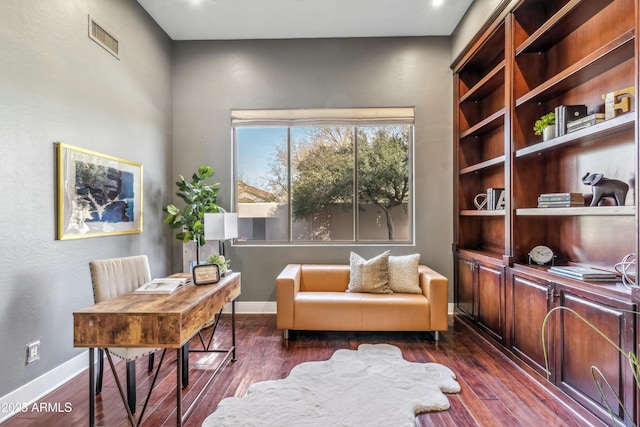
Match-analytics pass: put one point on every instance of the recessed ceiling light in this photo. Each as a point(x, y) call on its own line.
point(437, 3)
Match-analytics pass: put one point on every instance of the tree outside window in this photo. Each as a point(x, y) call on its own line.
point(324, 183)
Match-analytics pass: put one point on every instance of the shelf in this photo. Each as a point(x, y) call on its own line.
point(609, 127)
point(493, 121)
point(562, 23)
point(483, 165)
point(486, 254)
point(471, 212)
point(493, 80)
point(579, 211)
point(598, 62)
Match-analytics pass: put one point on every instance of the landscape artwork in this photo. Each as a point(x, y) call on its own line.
point(98, 195)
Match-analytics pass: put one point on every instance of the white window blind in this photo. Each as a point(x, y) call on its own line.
point(315, 117)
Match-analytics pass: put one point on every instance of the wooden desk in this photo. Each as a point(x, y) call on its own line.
point(164, 321)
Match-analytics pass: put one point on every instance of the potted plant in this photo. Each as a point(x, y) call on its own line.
point(200, 198)
point(545, 126)
point(221, 261)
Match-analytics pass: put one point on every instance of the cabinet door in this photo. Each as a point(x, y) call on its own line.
point(529, 303)
point(579, 348)
point(490, 310)
point(465, 292)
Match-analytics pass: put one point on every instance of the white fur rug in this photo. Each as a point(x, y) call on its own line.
point(371, 386)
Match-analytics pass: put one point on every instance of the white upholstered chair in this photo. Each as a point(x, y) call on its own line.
point(110, 278)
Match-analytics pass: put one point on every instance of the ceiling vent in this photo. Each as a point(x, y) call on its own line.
point(103, 38)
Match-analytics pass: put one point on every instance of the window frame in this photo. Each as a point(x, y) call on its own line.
point(355, 118)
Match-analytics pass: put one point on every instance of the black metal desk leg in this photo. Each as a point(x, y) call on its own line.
point(185, 365)
point(92, 389)
point(179, 387)
point(233, 329)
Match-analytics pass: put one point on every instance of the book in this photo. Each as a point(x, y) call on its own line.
point(568, 204)
point(584, 273)
point(495, 199)
point(552, 197)
point(560, 200)
point(165, 285)
point(585, 122)
point(567, 113)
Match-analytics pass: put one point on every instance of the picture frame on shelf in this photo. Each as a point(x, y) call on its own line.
point(97, 194)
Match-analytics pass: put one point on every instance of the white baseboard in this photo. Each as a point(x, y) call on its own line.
point(46, 383)
point(252, 307)
point(28, 394)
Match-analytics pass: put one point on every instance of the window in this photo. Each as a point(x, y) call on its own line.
point(339, 176)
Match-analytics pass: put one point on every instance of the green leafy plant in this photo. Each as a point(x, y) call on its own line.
point(543, 122)
point(222, 262)
point(200, 198)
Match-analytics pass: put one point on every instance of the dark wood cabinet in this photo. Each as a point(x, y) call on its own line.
point(535, 56)
point(529, 302)
point(480, 294)
point(466, 282)
point(573, 347)
point(579, 351)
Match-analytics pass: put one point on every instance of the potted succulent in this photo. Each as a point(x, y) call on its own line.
point(545, 126)
point(222, 262)
point(200, 198)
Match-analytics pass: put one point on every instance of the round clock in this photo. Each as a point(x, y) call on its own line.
point(541, 255)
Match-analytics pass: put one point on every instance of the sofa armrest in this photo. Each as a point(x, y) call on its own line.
point(436, 288)
point(287, 286)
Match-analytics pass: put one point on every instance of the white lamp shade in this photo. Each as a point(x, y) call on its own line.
point(220, 226)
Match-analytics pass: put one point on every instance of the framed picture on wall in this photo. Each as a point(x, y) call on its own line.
point(98, 195)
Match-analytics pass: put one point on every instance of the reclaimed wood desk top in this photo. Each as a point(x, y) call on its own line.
point(165, 321)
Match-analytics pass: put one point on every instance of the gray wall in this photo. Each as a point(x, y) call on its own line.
point(212, 78)
point(58, 85)
point(479, 12)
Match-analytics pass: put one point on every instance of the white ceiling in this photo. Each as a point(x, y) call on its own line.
point(283, 19)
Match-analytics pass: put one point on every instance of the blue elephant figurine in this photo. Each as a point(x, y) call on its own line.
point(604, 187)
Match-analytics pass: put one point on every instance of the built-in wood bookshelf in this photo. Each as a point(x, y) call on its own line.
point(534, 56)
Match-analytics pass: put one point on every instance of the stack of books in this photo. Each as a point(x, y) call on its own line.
point(585, 122)
point(560, 200)
point(495, 199)
point(566, 114)
point(584, 273)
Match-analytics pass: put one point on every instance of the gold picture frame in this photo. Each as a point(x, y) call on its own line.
point(97, 194)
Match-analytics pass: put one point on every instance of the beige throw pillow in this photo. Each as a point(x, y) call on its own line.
point(403, 274)
point(371, 276)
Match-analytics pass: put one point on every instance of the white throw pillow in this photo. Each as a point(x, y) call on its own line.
point(403, 274)
point(371, 276)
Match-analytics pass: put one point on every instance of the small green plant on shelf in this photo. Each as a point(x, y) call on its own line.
point(543, 122)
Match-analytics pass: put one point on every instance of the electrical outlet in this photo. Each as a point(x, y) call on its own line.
point(33, 351)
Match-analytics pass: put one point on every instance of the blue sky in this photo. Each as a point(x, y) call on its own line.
point(256, 149)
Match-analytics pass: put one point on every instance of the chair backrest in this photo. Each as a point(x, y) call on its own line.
point(115, 276)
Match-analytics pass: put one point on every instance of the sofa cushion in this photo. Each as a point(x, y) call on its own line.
point(403, 274)
point(371, 276)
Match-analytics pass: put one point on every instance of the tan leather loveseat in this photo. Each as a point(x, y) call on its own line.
point(313, 297)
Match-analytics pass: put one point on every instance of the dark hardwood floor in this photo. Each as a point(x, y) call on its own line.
point(495, 392)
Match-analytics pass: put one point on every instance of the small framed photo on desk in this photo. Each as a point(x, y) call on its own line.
point(206, 274)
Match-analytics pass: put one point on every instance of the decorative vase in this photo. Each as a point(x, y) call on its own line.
point(549, 133)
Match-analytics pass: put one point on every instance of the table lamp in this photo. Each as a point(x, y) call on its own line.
point(220, 226)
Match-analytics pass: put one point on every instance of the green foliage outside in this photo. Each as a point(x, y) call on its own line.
point(323, 176)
